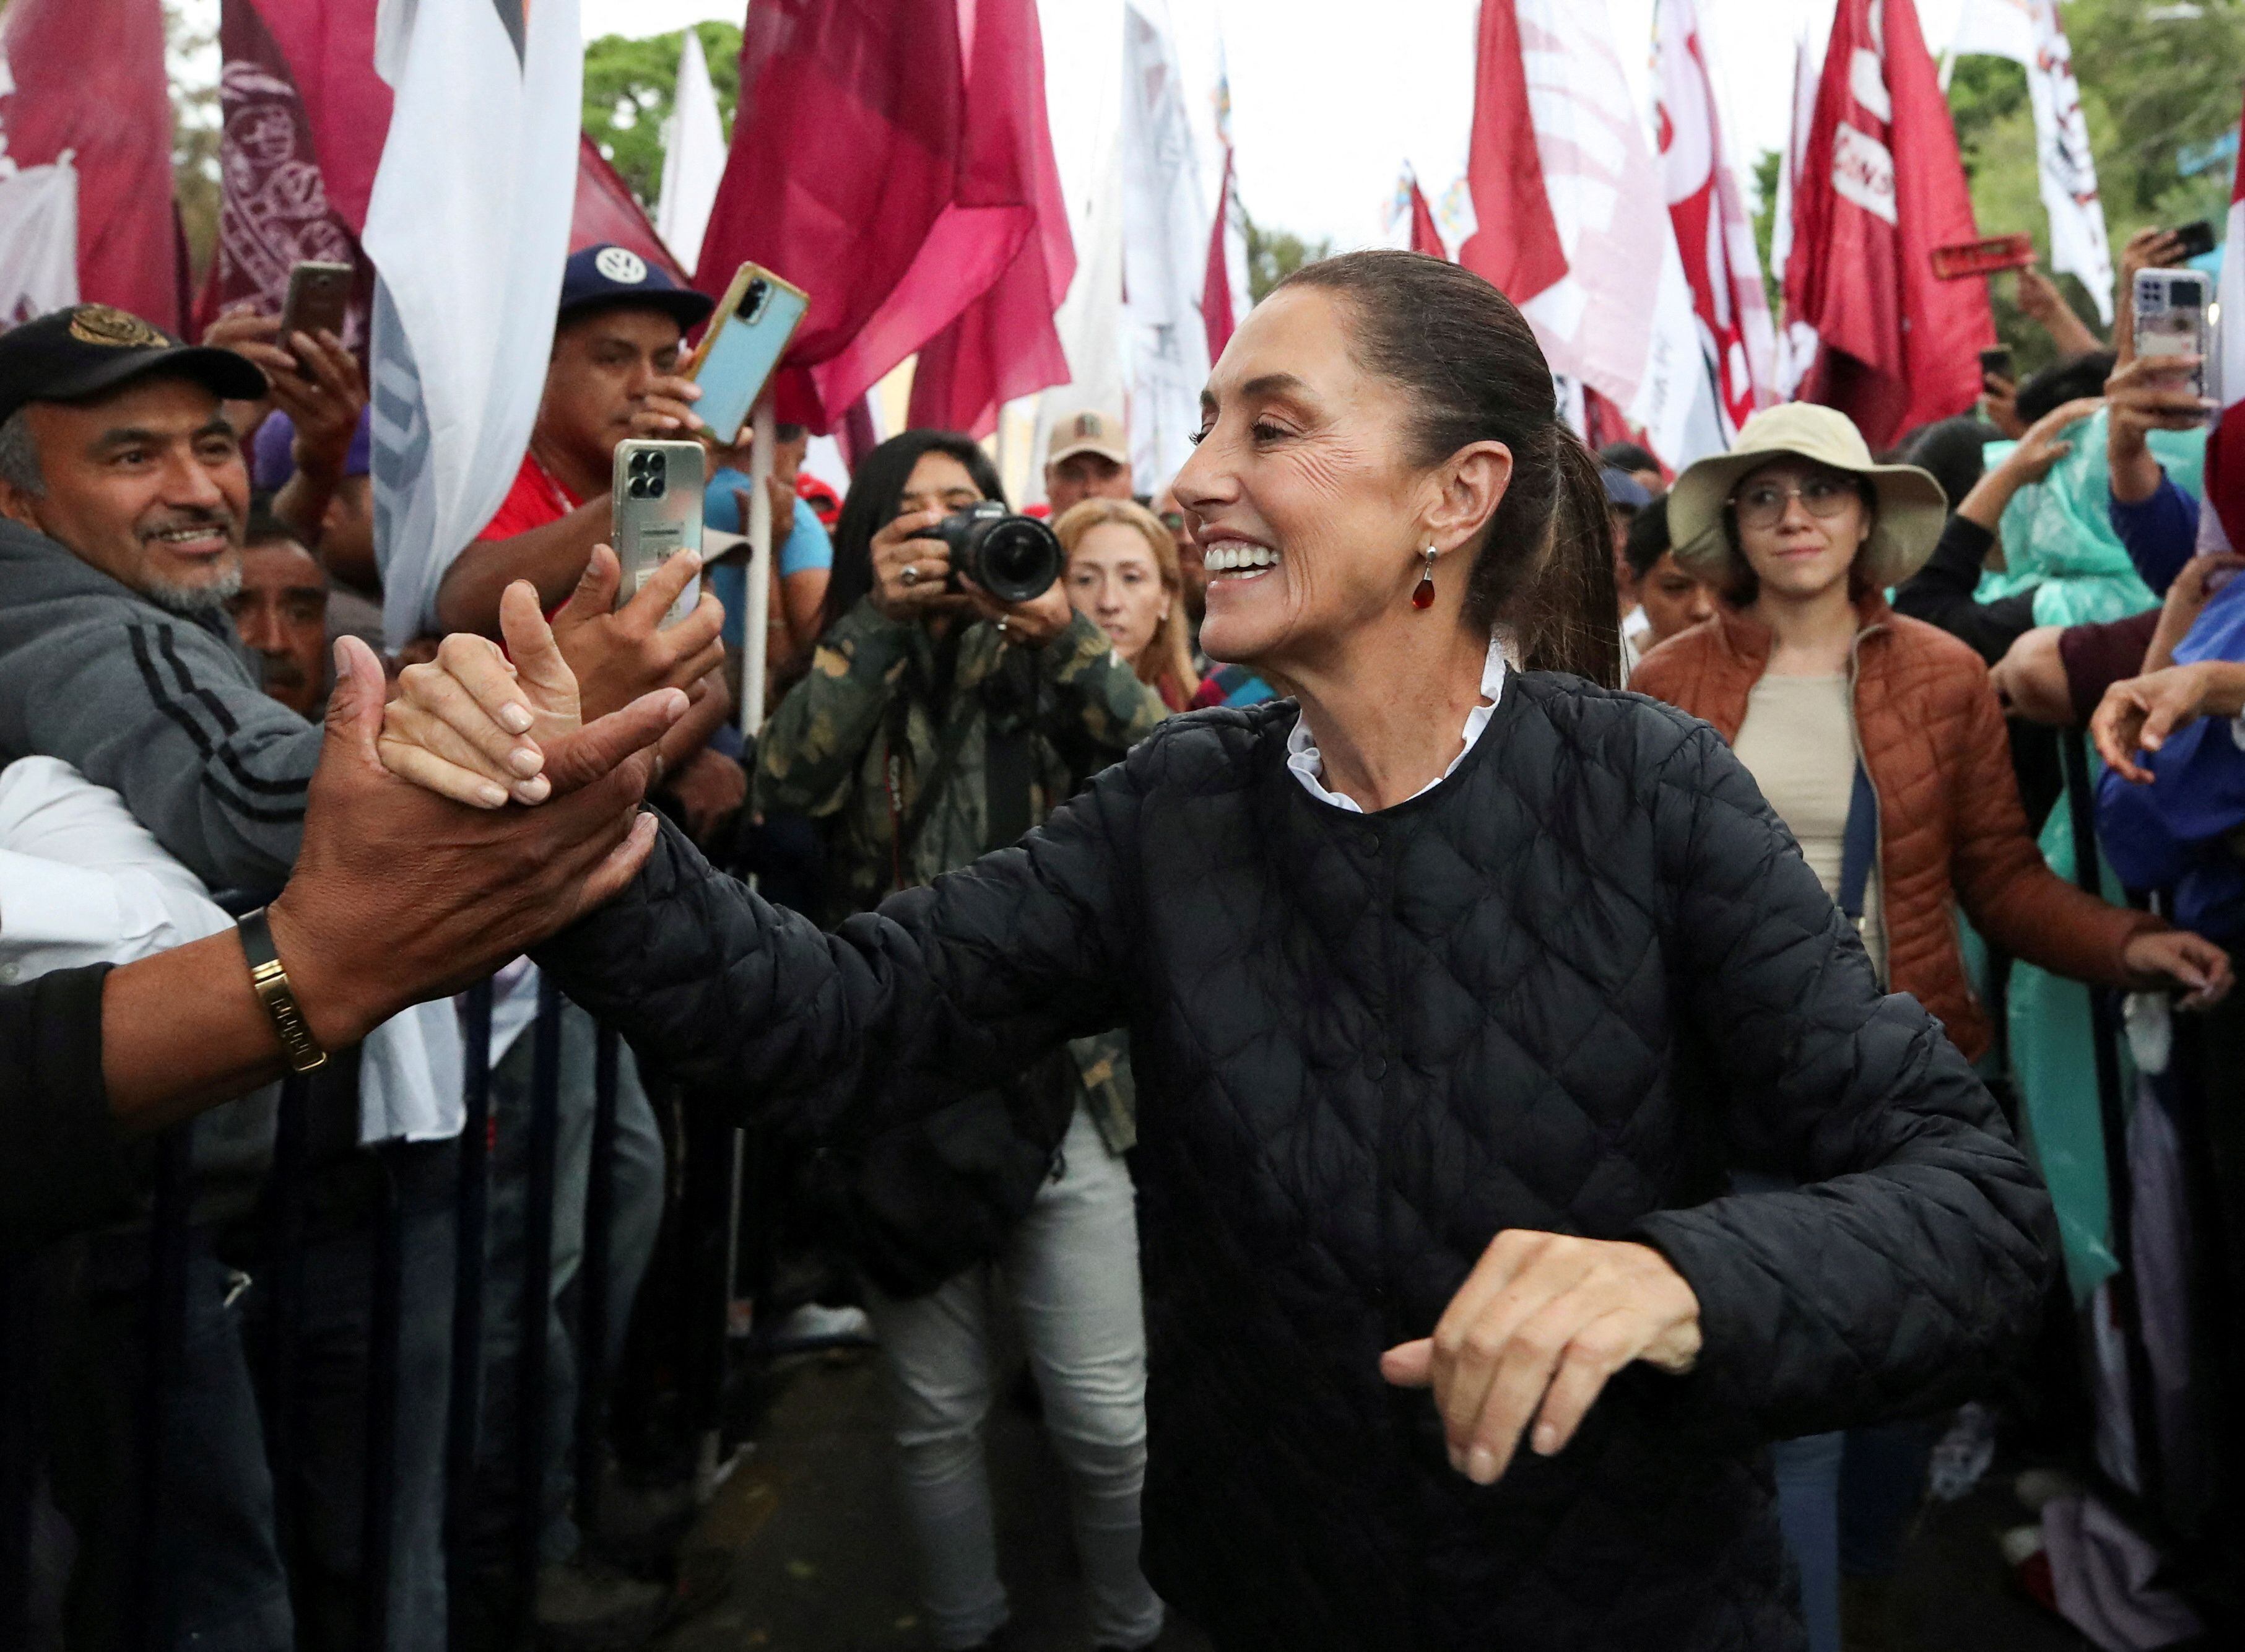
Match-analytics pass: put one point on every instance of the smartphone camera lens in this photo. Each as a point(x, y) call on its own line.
point(753, 301)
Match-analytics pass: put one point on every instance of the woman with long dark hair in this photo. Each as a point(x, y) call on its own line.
point(1458, 985)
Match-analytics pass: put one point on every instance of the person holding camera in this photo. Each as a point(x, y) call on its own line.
point(939, 722)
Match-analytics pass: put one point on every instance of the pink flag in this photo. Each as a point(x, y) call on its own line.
point(328, 48)
point(1217, 310)
point(607, 211)
point(1003, 344)
point(1715, 235)
point(83, 91)
point(858, 171)
point(1881, 186)
point(1516, 244)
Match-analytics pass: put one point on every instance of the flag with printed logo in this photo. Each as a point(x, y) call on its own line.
point(1714, 232)
point(468, 223)
point(1881, 186)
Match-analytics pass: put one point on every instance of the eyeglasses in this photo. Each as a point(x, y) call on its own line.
point(1764, 504)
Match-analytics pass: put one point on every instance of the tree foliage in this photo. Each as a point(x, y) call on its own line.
point(1273, 255)
point(629, 87)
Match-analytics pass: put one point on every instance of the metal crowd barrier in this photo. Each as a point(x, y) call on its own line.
point(280, 1273)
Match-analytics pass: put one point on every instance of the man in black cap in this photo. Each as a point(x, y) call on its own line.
point(613, 374)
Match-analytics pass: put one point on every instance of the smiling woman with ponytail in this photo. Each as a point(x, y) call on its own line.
point(1459, 985)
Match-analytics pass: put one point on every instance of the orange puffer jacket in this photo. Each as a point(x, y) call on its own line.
point(1951, 826)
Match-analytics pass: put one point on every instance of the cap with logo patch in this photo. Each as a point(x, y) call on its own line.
point(606, 275)
point(1089, 432)
point(69, 355)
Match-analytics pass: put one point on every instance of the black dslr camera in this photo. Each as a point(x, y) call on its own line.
point(1016, 559)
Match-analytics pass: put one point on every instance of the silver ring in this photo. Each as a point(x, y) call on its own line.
point(911, 575)
point(1003, 620)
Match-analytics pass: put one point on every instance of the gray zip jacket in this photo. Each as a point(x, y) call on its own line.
point(163, 708)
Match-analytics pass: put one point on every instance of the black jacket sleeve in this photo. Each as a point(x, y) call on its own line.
point(940, 992)
point(1912, 1261)
point(1941, 594)
point(62, 1164)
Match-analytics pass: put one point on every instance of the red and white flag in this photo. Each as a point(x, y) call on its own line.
point(1571, 222)
point(1881, 186)
point(1225, 298)
point(1411, 221)
point(85, 161)
point(1715, 232)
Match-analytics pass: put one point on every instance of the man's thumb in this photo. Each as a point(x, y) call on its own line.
point(596, 589)
point(355, 707)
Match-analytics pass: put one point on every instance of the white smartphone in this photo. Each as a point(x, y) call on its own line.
point(655, 512)
point(2175, 316)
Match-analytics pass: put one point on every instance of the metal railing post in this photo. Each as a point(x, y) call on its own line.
point(593, 1316)
point(537, 1308)
point(464, 1404)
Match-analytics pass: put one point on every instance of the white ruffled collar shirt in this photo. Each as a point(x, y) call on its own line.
point(1302, 756)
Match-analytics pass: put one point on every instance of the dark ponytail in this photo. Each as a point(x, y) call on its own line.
point(1544, 567)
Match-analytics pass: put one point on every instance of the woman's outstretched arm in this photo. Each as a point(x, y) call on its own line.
point(944, 991)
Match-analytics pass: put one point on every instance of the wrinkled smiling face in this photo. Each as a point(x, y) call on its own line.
point(146, 484)
point(1301, 494)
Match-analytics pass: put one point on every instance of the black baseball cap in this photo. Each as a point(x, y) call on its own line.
point(68, 355)
point(608, 275)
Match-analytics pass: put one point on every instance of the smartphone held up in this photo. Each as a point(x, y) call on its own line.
point(655, 512)
point(2176, 315)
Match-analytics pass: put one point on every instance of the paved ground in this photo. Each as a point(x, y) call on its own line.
point(823, 1565)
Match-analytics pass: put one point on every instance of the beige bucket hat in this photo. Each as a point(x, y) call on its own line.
point(1912, 508)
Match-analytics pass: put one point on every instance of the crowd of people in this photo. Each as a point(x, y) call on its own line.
point(1413, 905)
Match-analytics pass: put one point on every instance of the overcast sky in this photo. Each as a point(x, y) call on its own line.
point(1330, 98)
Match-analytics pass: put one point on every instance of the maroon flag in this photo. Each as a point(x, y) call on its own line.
point(858, 171)
point(1881, 186)
point(88, 95)
point(274, 208)
point(1517, 246)
point(1004, 343)
point(607, 211)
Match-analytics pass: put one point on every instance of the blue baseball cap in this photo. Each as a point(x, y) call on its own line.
point(606, 275)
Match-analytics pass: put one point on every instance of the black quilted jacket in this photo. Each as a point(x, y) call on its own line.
point(1569, 989)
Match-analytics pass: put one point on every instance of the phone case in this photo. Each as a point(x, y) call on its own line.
point(736, 355)
point(319, 297)
point(2173, 317)
point(655, 510)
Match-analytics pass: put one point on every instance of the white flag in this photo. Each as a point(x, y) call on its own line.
point(1165, 237)
point(1089, 320)
point(693, 158)
point(1620, 320)
point(38, 239)
point(1797, 342)
point(469, 225)
point(2028, 33)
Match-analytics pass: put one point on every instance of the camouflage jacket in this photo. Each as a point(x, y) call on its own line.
point(877, 689)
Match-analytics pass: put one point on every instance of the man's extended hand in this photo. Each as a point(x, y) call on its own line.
point(1539, 1327)
point(399, 895)
point(2138, 714)
point(616, 655)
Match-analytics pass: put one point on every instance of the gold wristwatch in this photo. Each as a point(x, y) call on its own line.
point(270, 983)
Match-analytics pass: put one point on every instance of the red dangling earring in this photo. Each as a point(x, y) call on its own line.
point(1422, 594)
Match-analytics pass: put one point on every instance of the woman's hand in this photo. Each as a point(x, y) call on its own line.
point(2140, 714)
point(912, 574)
point(2160, 958)
point(2043, 446)
point(1999, 404)
point(474, 725)
point(1535, 1331)
point(1032, 623)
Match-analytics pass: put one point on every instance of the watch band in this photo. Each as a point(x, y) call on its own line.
point(270, 981)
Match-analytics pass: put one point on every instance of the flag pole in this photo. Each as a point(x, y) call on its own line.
point(763, 438)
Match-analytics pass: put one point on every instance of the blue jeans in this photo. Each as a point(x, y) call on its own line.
point(218, 1544)
point(638, 1217)
point(1843, 1501)
point(1808, 1471)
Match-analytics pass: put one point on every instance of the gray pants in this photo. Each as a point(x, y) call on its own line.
point(1072, 1267)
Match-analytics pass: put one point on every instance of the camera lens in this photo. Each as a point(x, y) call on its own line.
point(754, 300)
point(1017, 559)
